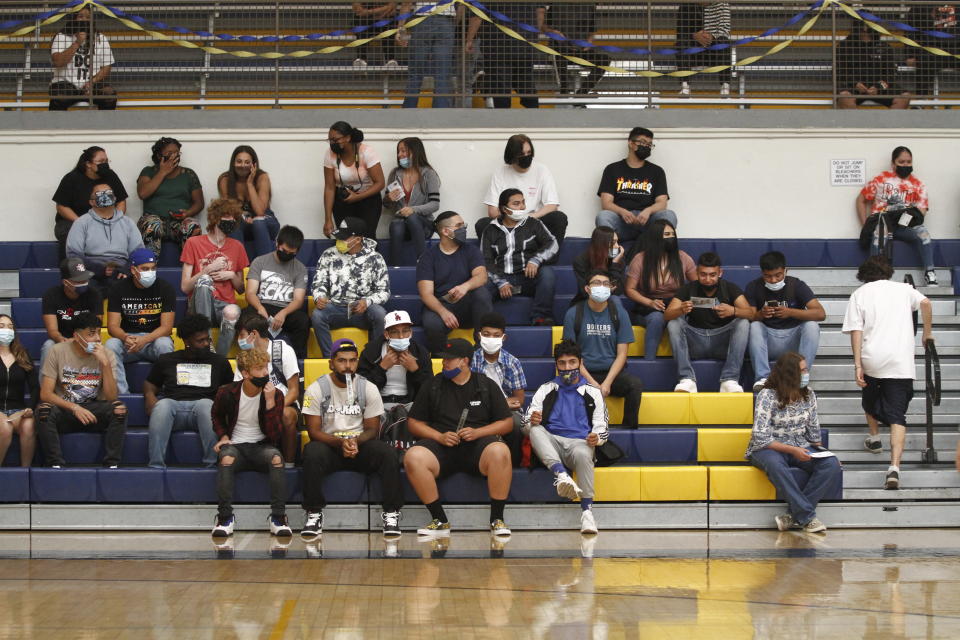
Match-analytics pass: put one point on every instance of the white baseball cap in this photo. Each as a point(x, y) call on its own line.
point(396, 317)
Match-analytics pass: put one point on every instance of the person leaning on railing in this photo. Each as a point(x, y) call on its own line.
point(79, 65)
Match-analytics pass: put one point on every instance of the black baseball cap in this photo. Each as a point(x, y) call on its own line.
point(74, 270)
point(457, 348)
point(350, 227)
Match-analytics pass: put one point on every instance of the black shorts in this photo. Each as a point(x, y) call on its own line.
point(464, 457)
point(887, 399)
point(884, 98)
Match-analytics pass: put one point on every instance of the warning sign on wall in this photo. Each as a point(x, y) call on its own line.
point(848, 173)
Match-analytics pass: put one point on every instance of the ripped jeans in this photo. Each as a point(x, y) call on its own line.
point(917, 236)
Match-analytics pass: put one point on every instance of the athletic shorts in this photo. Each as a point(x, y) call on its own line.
point(887, 399)
point(465, 457)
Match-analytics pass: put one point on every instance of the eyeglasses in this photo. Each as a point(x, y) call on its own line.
point(599, 283)
point(643, 143)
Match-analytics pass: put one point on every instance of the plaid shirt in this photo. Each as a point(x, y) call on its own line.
point(508, 366)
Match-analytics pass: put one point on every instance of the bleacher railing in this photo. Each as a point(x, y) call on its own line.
point(468, 53)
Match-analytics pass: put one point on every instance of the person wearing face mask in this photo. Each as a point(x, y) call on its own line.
point(451, 281)
point(535, 183)
point(78, 392)
point(212, 273)
point(460, 418)
point(140, 316)
point(245, 181)
point(81, 64)
point(633, 192)
point(352, 180)
point(653, 277)
point(350, 286)
point(18, 376)
point(172, 197)
point(505, 369)
point(786, 317)
point(786, 431)
point(395, 363)
point(72, 197)
point(104, 238)
point(179, 390)
point(65, 301)
point(566, 419)
point(343, 412)
point(284, 370)
point(413, 195)
point(901, 198)
point(601, 327)
point(709, 318)
point(248, 420)
point(516, 249)
point(277, 287)
point(604, 253)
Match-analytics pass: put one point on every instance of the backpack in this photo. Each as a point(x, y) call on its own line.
point(325, 390)
point(578, 318)
point(394, 431)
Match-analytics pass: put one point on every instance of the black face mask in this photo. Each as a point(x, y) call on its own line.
point(524, 162)
point(103, 168)
point(285, 256)
point(336, 147)
point(260, 381)
point(227, 226)
point(670, 245)
point(904, 172)
point(642, 153)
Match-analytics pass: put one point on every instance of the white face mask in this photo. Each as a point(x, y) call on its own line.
point(491, 345)
point(6, 336)
point(775, 286)
point(599, 294)
point(517, 215)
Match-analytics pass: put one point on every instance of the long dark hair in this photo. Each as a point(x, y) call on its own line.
point(418, 155)
point(231, 173)
point(784, 378)
point(653, 255)
point(599, 250)
point(17, 349)
point(74, 25)
point(896, 154)
point(85, 157)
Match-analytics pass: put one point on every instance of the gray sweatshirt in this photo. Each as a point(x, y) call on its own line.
point(98, 241)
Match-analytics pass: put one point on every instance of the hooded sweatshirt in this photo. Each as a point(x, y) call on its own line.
point(344, 278)
point(98, 241)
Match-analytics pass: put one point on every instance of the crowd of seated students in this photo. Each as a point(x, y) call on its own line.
point(471, 416)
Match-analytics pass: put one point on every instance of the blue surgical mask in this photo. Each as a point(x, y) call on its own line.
point(599, 294)
point(450, 374)
point(775, 286)
point(89, 347)
point(147, 278)
point(569, 376)
point(246, 345)
point(404, 163)
point(399, 344)
point(6, 336)
point(613, 253)
point(804, 380)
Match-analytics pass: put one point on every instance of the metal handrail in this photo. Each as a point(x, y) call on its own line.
point(931, 368)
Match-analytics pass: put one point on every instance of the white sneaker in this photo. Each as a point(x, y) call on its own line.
point(499, 528)
point(784, 522)
point(587, 523)
point(685, 89)
point(391, 64)
point(730, 386)
point(759, 384)
point(686, 385)
point(725, 90)
point(391, 548)
point(359, 63)
point(566, 487)
point(587, 543)
point(279, 526)
point(223, 528)
point(931, 278)
point(814, 526)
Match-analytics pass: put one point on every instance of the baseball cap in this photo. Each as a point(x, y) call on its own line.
point(457, 348)
point(142, 256)
point(343, 344)
point(396, 317)
point(350, 227)
point(73, 269)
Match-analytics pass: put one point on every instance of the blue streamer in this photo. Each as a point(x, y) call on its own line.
point(10, 24)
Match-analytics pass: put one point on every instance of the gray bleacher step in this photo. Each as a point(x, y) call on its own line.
point(911, 477)
point(838, 306)
point(938, 291)
point(844, 350)
point(939, 321)
point(916, 418)
point(911, 455)
point(944, 337)
point(5, 306)
point(949, 405)
point(833, 370)
point(843, 386)
point(902, 494)
point(818, 277)
point(9, 284)
point(916, 440)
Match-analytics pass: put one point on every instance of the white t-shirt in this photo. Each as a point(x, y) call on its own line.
point(290, 366)
point(536, 183)
point(882, 310)
point(247, 429)
point(490, 369)
point(79, 70)
point(396, 384)
point(359, 173)
point(340, 415)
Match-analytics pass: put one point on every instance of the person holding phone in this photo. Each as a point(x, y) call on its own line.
point(413, 195)
point(350, 286)
point(172, 198)
point(247, 182)
point(352, 180)
point(81, 65)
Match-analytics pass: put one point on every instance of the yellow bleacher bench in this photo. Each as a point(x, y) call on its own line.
point(722, 445)
point(740, 483)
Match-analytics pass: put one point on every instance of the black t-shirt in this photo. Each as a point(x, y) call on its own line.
point(441, 401)
point(574, 20)
point(795, 293)
point(179, 377)
point(633, 189)
point(518, 12)
point(725, 293)
point(140, 309)
point(75, 187)
point(56, 302)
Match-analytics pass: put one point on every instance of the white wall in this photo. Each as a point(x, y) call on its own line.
point(724, 182)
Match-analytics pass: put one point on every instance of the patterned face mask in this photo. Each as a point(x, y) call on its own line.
point(105, 198)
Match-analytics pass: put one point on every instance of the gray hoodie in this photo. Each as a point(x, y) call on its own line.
point(97, 241)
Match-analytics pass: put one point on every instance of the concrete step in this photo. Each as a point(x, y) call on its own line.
point(941, 306)
point(916, 440)
point(939, 321)
point(837, 370)
point(915, 418)
point(902, 494)
point(945, 337)
point(910, 455)
point(824, 388)
point(830, 406)
point(819, 277)
point(910, 478)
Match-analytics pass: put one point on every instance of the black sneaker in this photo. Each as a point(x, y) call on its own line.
point(893, 480)
point(391, 524)
point(313, 527)
point(873, 444)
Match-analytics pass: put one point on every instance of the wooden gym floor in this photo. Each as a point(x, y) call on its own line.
point(664, 584)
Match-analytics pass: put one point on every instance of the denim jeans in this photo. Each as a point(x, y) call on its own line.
point(262, 230)
point(468, 311)
point(257, 456)
point(917, 236)
point(824, 476)
point(180, 415)
point(654, 323)
point(627, 232)
point(431, 54)
point(768, 344)
point(418, 228)
point(334, 316)
point(149, 353)
point(727, 343)
point(541, 288)
point(223, 313)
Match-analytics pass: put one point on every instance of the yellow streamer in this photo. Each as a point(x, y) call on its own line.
point(52, 19)
point(903, 39)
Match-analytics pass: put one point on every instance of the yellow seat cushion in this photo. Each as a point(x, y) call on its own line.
point(740, 483)
point(665, 407)
point(722, 445)
point(637, 349)
point(359, 337)
point(670, 484)
point(616, 484)
point(721, 408)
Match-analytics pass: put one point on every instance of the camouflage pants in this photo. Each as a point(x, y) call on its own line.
point(155, 229)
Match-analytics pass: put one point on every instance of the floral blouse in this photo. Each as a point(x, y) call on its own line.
point(796, 424)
